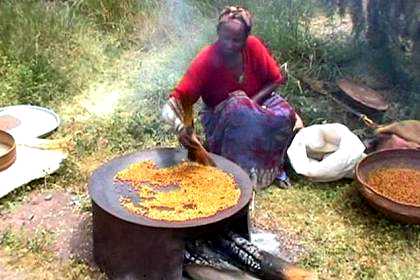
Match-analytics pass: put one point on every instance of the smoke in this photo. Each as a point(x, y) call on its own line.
point(145, 77)
point(182, 31)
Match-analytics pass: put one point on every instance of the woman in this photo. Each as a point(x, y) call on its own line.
point(243, 119)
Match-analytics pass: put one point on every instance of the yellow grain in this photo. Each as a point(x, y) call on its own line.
point(201, 191)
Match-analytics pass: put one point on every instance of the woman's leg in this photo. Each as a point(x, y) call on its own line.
point(253, 136)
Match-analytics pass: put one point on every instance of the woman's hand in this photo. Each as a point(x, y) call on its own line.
point(298, 123)
point(187, 138)
point(236, 93)
point(196, 151)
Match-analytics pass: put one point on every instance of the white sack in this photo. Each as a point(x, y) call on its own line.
point(334, 144)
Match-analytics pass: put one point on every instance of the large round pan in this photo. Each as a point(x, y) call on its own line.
point(105, 192)
point(363, 96)
point(30, 121)
point(402, 158)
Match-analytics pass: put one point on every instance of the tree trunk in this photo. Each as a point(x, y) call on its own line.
point(416, 58)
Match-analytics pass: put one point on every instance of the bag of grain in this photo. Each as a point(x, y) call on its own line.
point(325, 152)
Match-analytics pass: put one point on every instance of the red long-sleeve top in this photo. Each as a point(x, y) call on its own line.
point(207, 76)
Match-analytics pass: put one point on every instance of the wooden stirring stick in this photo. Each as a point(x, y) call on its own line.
point(196, 151)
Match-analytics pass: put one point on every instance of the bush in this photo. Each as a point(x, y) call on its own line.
point(50, 50)
point(114, 15)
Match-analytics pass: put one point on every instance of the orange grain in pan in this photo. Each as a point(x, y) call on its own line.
point(399, 184)
point(182, 192)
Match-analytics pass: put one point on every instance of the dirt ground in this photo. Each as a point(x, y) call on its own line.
point(58, 213)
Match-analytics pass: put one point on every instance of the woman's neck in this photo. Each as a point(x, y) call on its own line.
point(233, 60)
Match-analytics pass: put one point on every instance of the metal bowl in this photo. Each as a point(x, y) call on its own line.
point(402, 158)
point(9, 157)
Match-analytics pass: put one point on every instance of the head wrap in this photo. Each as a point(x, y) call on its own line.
point(235, 12)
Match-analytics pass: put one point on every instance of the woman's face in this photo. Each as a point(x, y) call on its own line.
point(232, 37)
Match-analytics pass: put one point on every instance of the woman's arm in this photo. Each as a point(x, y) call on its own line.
point(266, 91)
point(267, 69)
point(180, 116)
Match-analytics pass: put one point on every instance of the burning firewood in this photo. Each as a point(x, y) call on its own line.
point(229, 253)
point(203, 263)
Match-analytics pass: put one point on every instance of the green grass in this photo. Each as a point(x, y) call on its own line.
point(51, 50)
point(75, 55)
point(28, 256)
point(19, 243)
point(346, 238)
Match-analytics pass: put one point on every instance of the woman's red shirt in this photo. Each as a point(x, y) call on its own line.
point(208, 78)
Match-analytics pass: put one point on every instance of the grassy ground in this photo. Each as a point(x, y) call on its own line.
point(345, 237)
point(106, 70)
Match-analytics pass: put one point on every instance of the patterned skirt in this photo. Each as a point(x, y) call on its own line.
point(255, 137)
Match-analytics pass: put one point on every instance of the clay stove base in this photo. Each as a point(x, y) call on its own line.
point(125, 250)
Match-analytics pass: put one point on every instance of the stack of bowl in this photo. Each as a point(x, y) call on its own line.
point(7, 150)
